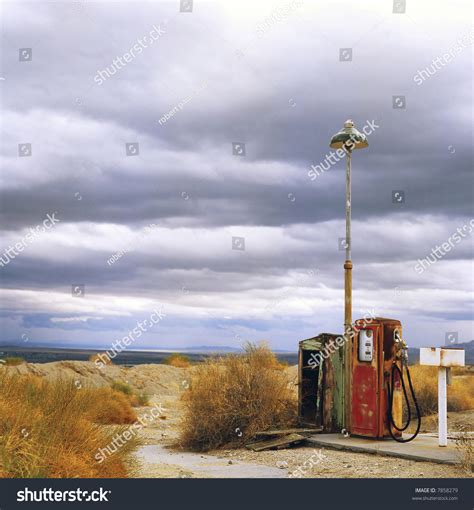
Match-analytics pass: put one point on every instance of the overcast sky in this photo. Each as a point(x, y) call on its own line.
point(278, 77)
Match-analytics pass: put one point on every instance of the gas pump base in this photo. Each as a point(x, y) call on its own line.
point(424, 449)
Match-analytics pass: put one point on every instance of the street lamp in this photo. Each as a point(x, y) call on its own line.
point(348, 139)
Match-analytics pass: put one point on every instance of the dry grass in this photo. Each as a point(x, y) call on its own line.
point(467, 370)
point(122, 387)
point(52, 429)
point(108, 406)
point(232, 398)
point(136, 399)
point(465, 448)
point(177, 360)
point(425, 383)
point(140, 400)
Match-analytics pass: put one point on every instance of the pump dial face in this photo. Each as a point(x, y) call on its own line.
point(366, 345)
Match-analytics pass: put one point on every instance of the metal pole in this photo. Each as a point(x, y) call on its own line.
point(442, 408)
point(348, 298)
point(348, 205)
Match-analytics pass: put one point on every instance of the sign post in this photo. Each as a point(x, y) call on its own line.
point(444, 359)
point(442, 407)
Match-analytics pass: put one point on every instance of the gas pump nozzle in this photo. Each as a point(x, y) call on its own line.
point(402, 354)
point(400, 346)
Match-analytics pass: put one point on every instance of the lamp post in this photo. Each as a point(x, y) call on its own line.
point(348, 139)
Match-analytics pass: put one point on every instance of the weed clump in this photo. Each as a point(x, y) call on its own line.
point(13, 361)
point(233, 397)
point(177, 360)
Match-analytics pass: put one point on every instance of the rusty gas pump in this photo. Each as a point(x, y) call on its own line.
point(379, 359)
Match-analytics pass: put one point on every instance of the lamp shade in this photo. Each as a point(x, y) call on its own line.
point(349, 138)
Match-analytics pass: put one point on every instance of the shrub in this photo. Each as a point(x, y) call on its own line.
point(102, 358)
point(122, 387)
point(13, 361)
point(50, 429)
point(282, 365)
point(108, 406)
point(135, 399)
point(142, 399)
point(177, 360)
point(465, 450)
point(425, 383)
point(232, 398)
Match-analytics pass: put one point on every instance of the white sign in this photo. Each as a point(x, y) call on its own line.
point(440, 357)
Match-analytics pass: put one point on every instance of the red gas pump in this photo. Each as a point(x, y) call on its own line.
point(377, 385)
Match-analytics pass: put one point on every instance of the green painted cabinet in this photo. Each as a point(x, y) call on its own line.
point(321, 382)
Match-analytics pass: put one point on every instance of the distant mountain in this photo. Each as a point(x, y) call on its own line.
point(223, 348)
point(414, 352)
point(92, 348)
point(205, 349)
point(209, 348)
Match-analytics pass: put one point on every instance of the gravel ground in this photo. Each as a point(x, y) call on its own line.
point(299, 461)
point(307, 462)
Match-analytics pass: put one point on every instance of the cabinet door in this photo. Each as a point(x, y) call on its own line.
point(364, 402)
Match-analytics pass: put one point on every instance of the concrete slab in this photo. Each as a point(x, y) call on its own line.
point(423, 448)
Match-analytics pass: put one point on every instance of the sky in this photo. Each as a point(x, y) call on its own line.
point(173, 146)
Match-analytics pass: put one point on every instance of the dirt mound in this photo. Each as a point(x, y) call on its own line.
point(148, 379)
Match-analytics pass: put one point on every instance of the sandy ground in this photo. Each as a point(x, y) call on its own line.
point(160, 457)
point(300, 461)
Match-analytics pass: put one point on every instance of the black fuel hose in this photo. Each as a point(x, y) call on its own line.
point(390, 392)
